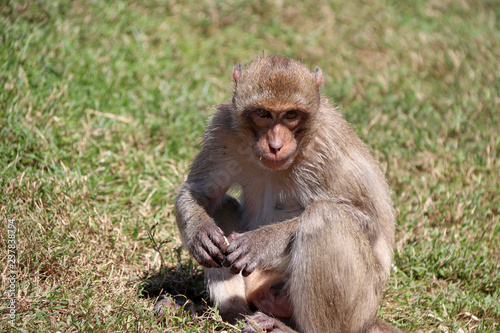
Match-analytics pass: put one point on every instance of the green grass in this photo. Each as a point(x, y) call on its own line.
point(102, 105)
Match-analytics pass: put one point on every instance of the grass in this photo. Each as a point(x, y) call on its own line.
point(102, 105)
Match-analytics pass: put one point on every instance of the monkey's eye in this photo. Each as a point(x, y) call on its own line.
point(263, 113)
point(291, 114)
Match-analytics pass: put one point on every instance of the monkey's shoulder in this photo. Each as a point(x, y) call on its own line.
point(219, 127)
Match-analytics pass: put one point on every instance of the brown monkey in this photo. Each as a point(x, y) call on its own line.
point(265, 292)
point(314, 221)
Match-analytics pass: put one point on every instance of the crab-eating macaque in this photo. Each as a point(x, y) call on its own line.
point(310, 240)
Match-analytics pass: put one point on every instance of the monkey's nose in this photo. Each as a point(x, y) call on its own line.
point(274, 151)
point(275, 146)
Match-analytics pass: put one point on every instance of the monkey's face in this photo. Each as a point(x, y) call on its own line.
point(276, 136)
point(274, 97)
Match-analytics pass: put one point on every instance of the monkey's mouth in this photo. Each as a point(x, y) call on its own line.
point(276, 163)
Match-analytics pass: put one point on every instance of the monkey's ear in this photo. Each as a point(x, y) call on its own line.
point(237, 72)
point(319, 77)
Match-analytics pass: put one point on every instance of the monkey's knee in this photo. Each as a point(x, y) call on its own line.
point(329, 237)
point(320, 216)
point(333, 271)
point(227, 292)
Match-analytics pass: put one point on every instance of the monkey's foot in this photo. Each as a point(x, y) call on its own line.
point(163, 304)
point(167, 302)
point(260, 322)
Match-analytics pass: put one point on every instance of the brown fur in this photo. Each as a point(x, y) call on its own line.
point(323, 220)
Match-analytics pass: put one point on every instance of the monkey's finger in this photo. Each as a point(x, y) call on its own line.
point(215, 254)
point(219, 239)
point(208, 262)
point(235, 269)
point(233, 236)
point(226, 263)
point(204, 259)
point(249, 268)
point(241, 264)
point(237, 255)
point(207, 254)
point(213, 250)
point(215, 236)
point(236, 242)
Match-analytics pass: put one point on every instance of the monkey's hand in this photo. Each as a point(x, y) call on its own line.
point(208, 246)
point(245, 252)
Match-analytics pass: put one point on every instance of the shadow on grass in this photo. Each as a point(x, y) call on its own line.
point(183, 281)
point(179, 283)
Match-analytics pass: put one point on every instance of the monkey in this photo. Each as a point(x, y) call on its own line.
point(308, 245)
point(265, 292)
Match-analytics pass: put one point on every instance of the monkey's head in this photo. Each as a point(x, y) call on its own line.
point(275, 100)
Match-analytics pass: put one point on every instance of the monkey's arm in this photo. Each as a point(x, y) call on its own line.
point(207, 183)
point(200, 197)
point(269, 246)
point(203, 238)
point(266, 247)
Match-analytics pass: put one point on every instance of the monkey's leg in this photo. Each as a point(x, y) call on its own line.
point(226, 290)
point(381, 326)
point(335, 284)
